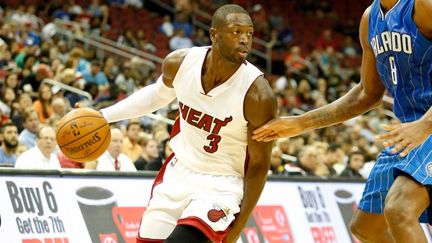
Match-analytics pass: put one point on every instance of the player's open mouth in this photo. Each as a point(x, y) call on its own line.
point(243, 53)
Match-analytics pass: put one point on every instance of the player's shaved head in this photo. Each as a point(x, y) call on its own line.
point(219, 17)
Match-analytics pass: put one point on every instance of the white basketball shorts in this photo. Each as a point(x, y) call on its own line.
point(181, 196)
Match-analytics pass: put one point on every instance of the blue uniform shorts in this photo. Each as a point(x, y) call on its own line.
point(417, 164)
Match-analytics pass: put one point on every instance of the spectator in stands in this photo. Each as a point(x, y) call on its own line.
point(180, 40)
point(99, 11)
point(144, 43)
point(149, 158)
point(295, 62)
point(12, 81)
point(335, 159)
point(181, 22)
point(60, 108)
point(42, 104)
point(126, 78)
point(128, 38)
point(276, 165)
point(201, 39)
point(167, 26)
point(310, 163)
point(96, 76)
point(7, 101)
point(41, 155)
point(166, 150)
point(32, 82)
point(9, 132)
point(327, 40)
point(356, 161)
point(114, 159)
point(131, 147)
point(24, 101)
point(31, 128)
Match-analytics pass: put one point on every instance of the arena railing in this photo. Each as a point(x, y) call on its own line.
point(267, 55)
point(103, 47)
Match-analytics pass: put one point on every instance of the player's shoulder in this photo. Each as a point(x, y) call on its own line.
point(260, 101)
point(172, 62)
point(423, 11)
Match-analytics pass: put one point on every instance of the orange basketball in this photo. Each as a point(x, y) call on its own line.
point(83, 135)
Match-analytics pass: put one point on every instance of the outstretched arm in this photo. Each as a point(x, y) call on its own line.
point(151, 97)
point(260, 107)
point(363, 97)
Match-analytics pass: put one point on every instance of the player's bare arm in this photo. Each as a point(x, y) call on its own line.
point(171, 65)
point(153, 96)
point(406, 136)
point(362, 98)
point(260, 106)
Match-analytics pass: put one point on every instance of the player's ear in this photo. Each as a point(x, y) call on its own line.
point(213, 34)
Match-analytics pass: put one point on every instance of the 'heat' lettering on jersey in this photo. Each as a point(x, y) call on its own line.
point(391, 41)
point(201, 120)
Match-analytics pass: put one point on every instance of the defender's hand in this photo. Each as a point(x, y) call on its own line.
point(289, 126)
point(405, 136)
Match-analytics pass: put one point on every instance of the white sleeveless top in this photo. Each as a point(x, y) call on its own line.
point(210, 134)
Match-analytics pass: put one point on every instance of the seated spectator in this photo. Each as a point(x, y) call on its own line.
point(327, 40)
point(356, 161)
point(8, 155)
point(126, 78)
point(65, 162)
point(24, 101)
point(43, 105)
point(179, 41)
point(130, 143)
point(295, 62)
point(114, 159)
point(310, 163)
point(96, 76)
point(276, 165)
point(41, 156)
point(60, 108)
point(167, 27)
point(181, 22)
point(31, 128)
point(32, 82)
point(335, 159)
point(149, 158)
point(7, 101)
point(201, 39)
point(12, 81)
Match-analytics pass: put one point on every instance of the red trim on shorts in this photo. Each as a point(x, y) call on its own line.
point(145, 240)
point(204, 227)
point(159, 178)
point(246, 162)
point(175, 128)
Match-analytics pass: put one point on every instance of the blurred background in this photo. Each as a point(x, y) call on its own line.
point(55, 53)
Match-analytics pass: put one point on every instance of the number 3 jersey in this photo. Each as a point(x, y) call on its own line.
point(403, 55)
point(210, 132)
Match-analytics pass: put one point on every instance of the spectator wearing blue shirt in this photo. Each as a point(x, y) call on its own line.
point(9, 132)
point(181, 22)
point(96, 76)
point(31, 128)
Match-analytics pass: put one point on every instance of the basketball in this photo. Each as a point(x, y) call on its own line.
point(83, 135)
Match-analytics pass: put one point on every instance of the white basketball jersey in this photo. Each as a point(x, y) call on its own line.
point(210, 134)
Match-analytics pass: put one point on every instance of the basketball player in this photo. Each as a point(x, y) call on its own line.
point(208, 188)
point(397, 56)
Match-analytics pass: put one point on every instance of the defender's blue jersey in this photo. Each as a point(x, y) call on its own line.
point(404, 58)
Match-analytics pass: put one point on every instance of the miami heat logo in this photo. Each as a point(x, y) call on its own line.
point(218, 213)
